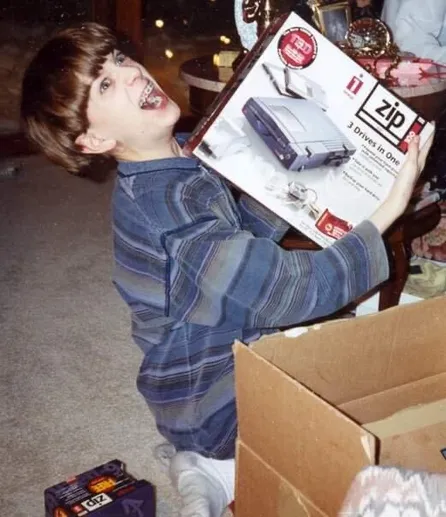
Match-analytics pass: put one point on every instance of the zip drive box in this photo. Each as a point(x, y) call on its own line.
point(297, 132)
point(105, 491)
point(282, 119)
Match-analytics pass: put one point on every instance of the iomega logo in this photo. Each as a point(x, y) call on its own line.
point(389, 117)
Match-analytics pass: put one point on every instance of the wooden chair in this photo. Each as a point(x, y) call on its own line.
point(398, 240)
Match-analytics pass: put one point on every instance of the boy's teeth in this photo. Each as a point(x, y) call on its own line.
point(150, 97)
point(154, 100)
point(146, 94)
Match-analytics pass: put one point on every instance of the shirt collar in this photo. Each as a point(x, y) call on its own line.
point(126, 168)
point(131, 168)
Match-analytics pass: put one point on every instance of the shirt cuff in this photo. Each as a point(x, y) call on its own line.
point(375, 249)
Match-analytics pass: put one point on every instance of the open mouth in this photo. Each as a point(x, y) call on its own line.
point(151, 97)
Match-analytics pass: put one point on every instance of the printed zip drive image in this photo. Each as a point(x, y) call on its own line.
point(298, 133)
point(290, 83)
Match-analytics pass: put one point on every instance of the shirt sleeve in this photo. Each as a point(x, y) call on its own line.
point(260, 221)
point(219, 275)
point(416, 29)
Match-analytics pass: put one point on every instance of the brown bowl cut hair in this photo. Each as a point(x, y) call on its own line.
point(56, 89)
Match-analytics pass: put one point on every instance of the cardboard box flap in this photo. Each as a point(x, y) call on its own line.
point(381, 405)
point(409, 419)
point(261, 492)
point(323, 448)
point(379, 352)
point(422, 448)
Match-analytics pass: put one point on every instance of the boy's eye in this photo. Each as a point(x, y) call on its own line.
point(105, 84)
point(119, 58)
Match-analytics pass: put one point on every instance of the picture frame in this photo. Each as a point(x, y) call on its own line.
point(333, 20)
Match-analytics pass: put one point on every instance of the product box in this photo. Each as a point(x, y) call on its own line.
point(307, 131)
point(105, 491)
point(317, 405)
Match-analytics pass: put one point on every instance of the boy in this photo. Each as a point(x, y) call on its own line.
point(197, 269)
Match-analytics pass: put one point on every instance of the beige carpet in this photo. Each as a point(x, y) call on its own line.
point(68, 364)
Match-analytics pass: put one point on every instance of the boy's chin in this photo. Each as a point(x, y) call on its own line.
point(169, 113)
point(172, 114)
point(174, 108)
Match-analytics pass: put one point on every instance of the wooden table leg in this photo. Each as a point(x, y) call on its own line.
point(124, 17)
point(390, 293)
point(129, 23)
point(104, 12)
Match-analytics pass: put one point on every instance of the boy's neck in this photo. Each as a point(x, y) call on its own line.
point(168, 149)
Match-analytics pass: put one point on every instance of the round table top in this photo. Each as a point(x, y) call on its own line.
point(434, 85)
point(200, 72)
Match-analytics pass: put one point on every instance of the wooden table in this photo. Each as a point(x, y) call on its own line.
point(201, 75)
point(429, 100)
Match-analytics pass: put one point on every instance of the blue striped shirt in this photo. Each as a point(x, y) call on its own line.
point(198, 271)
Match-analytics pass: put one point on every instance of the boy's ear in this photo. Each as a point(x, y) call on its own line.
point(92, 144)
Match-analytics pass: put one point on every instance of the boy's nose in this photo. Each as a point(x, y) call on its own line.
point(131, 73)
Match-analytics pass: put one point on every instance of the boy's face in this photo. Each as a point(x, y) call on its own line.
point(127, 110)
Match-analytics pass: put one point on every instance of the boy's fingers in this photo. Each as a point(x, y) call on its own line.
point(413, 151)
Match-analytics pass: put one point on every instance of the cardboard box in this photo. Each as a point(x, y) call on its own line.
point(105, 491)
point(315, 409)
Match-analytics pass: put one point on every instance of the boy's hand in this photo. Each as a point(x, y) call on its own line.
point(407, 178)
point(402, 189)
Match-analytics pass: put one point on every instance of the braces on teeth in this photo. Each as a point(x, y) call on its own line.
point(147, 99)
